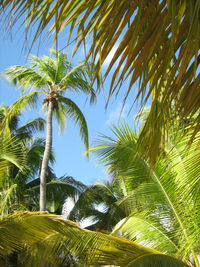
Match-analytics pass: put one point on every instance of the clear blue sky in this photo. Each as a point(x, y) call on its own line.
point(68, 148)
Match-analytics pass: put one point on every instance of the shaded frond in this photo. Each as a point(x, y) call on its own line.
point(31, 127)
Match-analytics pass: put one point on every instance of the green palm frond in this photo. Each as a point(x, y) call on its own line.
point(7, 199)
point(48, 67)
point(164, 218)
point(26, 230)
point(15, 109)
point(31, 127)
point(25, 77)
point(72, 111)
point(12, 154)
point(11, 151)
point(77, 80)
point(120, 153)
point(164, 213)
point(13, 121)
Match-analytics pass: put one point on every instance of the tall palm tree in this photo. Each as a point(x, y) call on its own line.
point(155, 42)
point(52, 77)
point(19, 186)
point(13, 193)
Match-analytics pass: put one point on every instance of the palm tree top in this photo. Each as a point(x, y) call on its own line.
point(51, 75)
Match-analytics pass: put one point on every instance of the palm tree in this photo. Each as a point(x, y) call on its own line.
point(163, 213)
point(19, 187)
point(14, 195)
point(52, 77)
point(98, 205)
point(156, 43)
point(10, 118)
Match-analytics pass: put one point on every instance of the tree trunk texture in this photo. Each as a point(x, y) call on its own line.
point(46, 156)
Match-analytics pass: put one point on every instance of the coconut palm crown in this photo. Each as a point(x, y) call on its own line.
point(51, 77)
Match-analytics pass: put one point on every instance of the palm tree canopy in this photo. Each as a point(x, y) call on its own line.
point(155, 42)
point(52, 77)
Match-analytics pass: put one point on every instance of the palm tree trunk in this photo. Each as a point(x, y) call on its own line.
point(45, 160)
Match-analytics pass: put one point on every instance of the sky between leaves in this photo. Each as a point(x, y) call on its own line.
point(68, 148)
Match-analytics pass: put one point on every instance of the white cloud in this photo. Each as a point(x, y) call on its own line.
point(118, 114)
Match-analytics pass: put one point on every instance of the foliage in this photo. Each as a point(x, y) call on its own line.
point(155, 43)
point(52, 77)
point(163, 213)
point(47, 239)
point(21, 157)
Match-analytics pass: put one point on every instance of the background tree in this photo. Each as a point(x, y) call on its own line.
point(52, 77)
point(19, 187)
point(163, 213)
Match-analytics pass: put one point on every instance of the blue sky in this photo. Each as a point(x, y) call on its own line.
point(68, 148)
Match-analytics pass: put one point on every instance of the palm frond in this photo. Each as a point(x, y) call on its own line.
point(77, 80)
point(26, 230)
point(71, 110)
point(31, 127)
point(168, 207)
point(11, 151)
point(25, 77)
point(22, 103)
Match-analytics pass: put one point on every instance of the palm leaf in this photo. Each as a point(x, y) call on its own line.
point(11, 152)
point(97, 248)
point(31, 127)
point(26, 77)
point(15, 109)
point(163, 213)
point(71, 110)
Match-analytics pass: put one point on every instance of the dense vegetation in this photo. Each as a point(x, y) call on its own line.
point(149, 209)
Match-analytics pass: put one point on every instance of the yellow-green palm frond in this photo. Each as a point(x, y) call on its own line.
point(53, 239)
point(68, 109)
point(11, 152)
point(15, 109)
point(164, 213)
